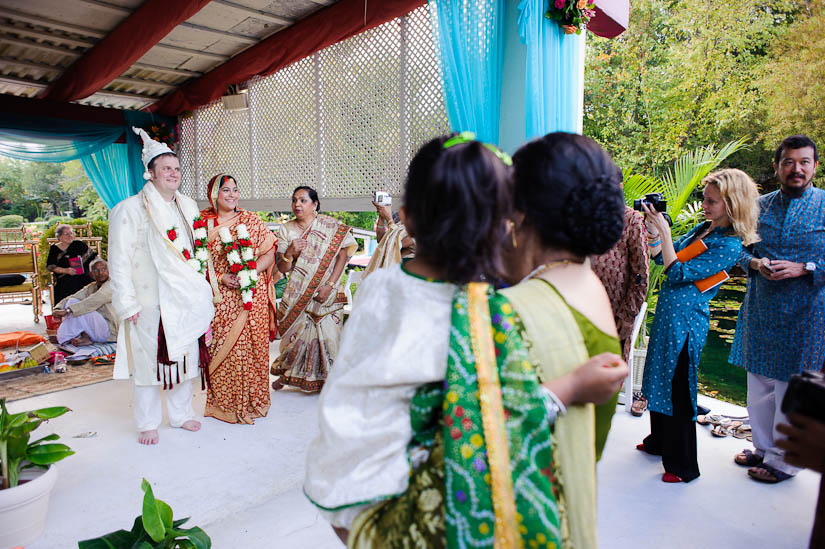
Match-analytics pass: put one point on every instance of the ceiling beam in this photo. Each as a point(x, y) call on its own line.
point(28, 82)
point(120, 10)
point(123, 46)
point(251, 12)
point(193, 53)
point(158, 68)
point(46, 36)
point(50, 23)
point(30, 64)
point(140, 82)
point(40, 46)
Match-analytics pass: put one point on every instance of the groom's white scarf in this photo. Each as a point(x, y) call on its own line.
point(185, 295)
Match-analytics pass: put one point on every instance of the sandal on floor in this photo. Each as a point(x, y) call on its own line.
point(639, 405)
point(776, 474)
point(742, 432)
point(714, 419)
point(720, 431)
point(278, 384)
point(747, 458)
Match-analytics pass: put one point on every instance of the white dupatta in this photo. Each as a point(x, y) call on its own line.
point(185, 295)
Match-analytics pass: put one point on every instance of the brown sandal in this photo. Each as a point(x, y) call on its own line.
point(639, 405)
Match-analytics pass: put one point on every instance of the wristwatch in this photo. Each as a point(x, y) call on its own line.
point(810, 267)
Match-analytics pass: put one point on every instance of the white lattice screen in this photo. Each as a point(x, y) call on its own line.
point(345, 121)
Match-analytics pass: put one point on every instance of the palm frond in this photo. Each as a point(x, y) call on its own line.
point(690, 169)
point(637, 185)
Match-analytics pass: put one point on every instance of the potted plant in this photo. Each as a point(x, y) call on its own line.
point(24, 492)
point(154, 527)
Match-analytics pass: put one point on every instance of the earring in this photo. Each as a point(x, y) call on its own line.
point(511, 226)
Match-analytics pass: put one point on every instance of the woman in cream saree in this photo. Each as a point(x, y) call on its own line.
point(239, 348)
point(314, 249)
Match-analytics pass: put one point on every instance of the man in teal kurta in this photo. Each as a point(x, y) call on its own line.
point(781, 326)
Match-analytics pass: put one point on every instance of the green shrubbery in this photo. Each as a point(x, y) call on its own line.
point(10, 221)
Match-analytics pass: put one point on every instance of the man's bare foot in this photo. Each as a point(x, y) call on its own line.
point(81, 340)
point(148, 437)
point(191, 425)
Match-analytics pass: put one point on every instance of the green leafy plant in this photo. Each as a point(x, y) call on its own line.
point(155, 527)
point(677, 186)
point(17, 452)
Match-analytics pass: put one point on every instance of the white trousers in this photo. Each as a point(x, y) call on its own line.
point(92, 323)
point(765, 411)
point(149, 409)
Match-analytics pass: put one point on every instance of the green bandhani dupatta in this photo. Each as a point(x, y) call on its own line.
point(490, 478)
point(498, 459)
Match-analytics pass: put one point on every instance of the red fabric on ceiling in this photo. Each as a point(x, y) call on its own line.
point(612, 17)
point(127, 43)
point(321, 29)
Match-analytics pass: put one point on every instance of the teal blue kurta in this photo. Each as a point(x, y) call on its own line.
point(781, 326)
point(682, 313)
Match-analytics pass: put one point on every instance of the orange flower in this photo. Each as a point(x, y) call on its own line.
point(569, 29)
point(581, 4)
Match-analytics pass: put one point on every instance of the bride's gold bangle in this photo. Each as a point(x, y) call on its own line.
point(285, 258)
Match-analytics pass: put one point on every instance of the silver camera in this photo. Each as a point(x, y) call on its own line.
point(382, 198)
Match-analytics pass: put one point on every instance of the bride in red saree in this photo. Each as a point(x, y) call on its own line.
point(239, 349)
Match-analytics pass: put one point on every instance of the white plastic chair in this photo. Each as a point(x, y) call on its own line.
point(353, 277)
point(636, 365)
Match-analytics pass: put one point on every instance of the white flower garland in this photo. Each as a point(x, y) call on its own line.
point(197, 258)
point(241, 260)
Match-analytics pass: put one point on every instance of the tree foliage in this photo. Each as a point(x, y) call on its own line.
point(689, 73)
point(35, 189)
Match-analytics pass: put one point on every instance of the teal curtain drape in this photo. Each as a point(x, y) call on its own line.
point(554, 77)
point(112, 173)
point(49, 140)
point(115, 169)
point(470, 41)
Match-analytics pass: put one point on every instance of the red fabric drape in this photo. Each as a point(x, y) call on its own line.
point(611, 18)
point(324, 28)
point(127, 43)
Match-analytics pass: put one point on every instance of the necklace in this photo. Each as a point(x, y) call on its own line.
point(552, 264)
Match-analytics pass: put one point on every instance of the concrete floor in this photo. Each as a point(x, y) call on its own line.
point(242, 484)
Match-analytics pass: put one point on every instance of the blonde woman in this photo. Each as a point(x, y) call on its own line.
point(680, 326)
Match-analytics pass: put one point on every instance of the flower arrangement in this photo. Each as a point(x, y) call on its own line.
point(163, 133)
point(197, 258)
point(241, 260)
point(571, 15)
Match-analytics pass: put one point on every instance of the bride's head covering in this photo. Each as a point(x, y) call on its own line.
point(212, 194)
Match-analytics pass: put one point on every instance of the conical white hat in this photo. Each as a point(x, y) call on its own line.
point(151, 149)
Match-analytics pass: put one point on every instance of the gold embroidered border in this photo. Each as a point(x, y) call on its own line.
point(325, 263)
point(506, 534)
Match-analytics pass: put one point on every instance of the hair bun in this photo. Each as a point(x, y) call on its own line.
point(593, 216)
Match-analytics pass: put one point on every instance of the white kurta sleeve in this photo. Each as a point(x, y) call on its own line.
point(122, 231)
point(394, 342)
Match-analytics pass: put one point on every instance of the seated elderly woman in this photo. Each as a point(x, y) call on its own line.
point(68, 260)
point(87, 315)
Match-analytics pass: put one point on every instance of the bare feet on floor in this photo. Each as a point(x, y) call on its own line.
point(191, 425)
point(148, 437)
point(81, 340)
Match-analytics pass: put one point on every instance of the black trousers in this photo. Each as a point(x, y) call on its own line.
point(674, 437)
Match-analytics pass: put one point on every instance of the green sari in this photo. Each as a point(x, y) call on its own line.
point(490, 478)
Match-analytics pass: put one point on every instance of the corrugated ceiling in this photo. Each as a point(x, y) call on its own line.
point(40, 39)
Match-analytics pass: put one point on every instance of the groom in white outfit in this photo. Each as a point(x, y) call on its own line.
point(162, 299)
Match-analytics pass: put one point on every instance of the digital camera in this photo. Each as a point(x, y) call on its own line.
point(806, 395)
point(656, 201)
point(382, 198)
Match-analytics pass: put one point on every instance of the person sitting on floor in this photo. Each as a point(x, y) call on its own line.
point(87, 315)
